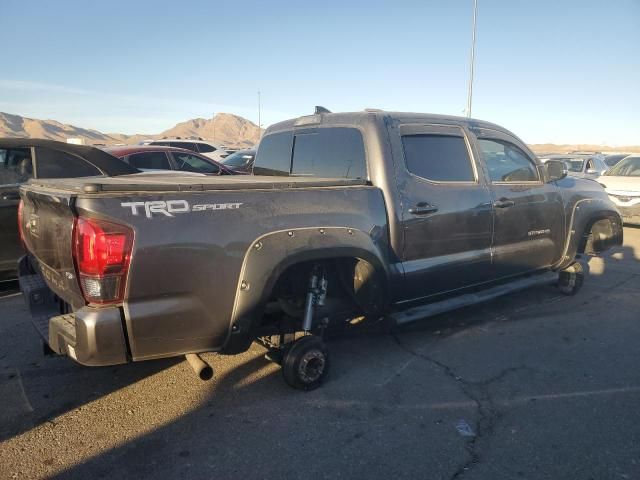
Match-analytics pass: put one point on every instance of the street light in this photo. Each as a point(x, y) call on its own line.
point(473, 58)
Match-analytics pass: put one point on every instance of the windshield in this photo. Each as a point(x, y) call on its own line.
point(238, 159)
point(611, 160)
point(629, 167)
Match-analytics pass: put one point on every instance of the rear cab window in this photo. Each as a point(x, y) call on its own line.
point(331, 152)
point(274, 155)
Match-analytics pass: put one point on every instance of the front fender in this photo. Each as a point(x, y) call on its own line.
point(271, 254)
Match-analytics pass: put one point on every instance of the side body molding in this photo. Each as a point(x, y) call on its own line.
point(271, 254)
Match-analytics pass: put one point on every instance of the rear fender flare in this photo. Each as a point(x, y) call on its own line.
point(270, 255)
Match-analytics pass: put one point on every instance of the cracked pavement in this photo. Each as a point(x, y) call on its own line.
point(543, 386)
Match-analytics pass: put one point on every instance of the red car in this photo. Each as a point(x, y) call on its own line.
point(158, 157)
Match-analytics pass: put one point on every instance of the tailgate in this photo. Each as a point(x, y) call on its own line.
point(47, 225)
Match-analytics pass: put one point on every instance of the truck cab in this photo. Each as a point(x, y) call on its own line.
point(468, 203)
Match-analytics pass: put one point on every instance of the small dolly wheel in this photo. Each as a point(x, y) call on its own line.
point(571, 279)
point(306, 363)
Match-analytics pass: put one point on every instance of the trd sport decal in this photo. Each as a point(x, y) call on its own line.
point(169, 207)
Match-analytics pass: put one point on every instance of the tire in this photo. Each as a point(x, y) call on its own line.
point(306, 363)
point(571, 279)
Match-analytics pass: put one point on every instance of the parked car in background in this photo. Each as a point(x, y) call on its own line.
point(208, 149)
point(158, 157)
point(611, 160)
point(241, 161)
point(622, 183)
point(583, 165)
point(23, 159)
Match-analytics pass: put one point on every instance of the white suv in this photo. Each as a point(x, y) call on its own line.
point(203, 147)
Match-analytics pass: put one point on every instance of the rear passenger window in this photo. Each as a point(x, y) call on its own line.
point(329, 152)
point(322, 152)
point(56, 164)
point(274, 155)
point(440, 158)
point(506, 162)
point(150, 161)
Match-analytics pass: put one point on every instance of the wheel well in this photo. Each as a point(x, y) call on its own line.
point(353, 284)
point(599, 235)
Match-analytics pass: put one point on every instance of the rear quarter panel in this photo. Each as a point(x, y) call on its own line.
point(185, 268)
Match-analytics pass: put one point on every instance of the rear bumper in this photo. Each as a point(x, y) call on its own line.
point(91, 336)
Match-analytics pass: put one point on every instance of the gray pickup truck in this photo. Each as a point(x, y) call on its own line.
point(347, 216)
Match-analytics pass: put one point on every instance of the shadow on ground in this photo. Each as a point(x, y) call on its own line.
point(387, 410)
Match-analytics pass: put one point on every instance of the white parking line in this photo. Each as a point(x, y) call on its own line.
point(10, 295)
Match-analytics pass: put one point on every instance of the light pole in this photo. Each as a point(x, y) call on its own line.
point(259, 113)
point(473, 58)
point(213, 119)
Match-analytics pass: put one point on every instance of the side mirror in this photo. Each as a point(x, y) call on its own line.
point(556, 170)
point(592, 171)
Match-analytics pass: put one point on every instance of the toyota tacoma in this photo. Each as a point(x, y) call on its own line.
point(348, 216)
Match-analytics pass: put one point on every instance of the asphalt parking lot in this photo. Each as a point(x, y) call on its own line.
point(531, 386)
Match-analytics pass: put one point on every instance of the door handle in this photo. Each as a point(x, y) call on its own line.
point(423, 208)
point(503, 203)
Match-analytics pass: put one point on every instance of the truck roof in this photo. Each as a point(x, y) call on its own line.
point(350, 118)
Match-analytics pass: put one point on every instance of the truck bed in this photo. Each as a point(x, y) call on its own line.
point(186, 264)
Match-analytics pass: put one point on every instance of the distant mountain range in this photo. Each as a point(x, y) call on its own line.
point(547, 148)
point(225, 128)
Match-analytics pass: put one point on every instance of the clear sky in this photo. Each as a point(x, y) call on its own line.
point(564, 71)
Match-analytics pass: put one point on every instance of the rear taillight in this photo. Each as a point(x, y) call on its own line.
point(102, 252)
point(20, 225)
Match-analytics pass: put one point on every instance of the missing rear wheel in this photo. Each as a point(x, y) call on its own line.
point(306, 363)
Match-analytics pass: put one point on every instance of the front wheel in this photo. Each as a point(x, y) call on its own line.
point(306, 363)
point(571, 279)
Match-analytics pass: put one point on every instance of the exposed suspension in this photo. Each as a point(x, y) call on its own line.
point(316, 295)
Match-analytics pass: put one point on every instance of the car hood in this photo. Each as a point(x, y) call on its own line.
point(624, 185)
